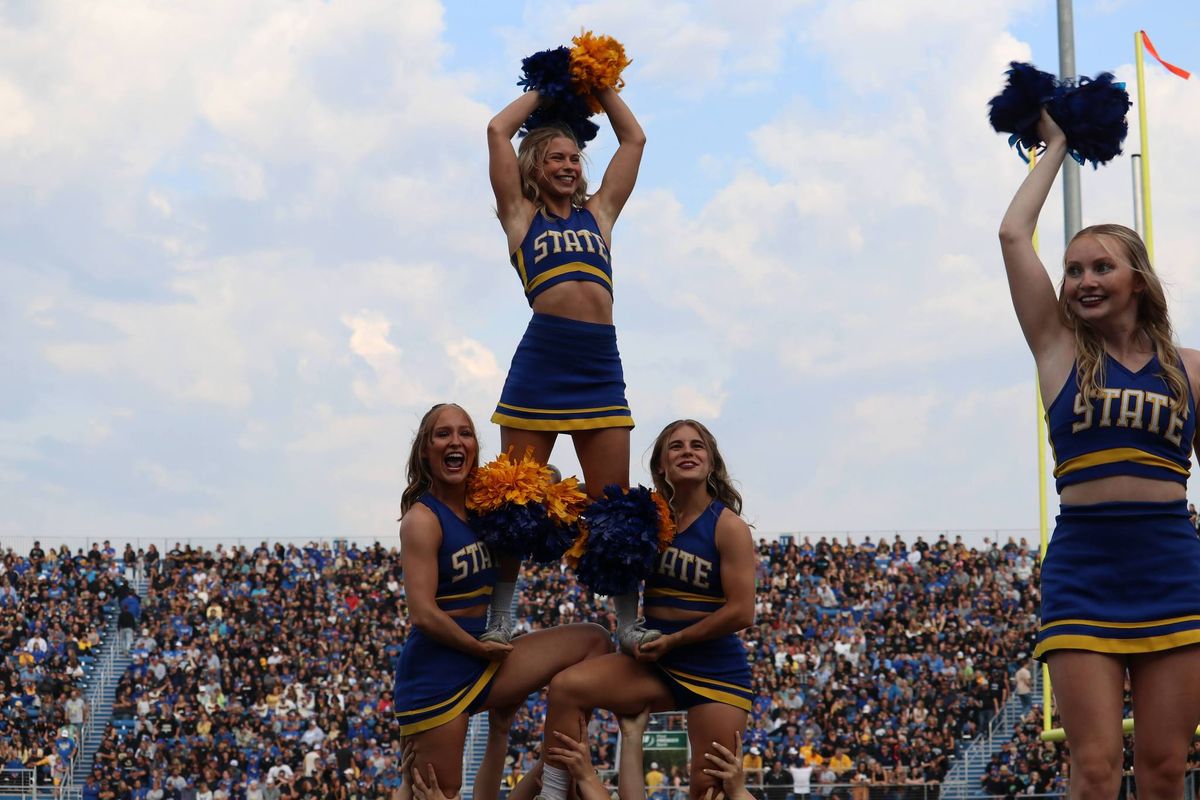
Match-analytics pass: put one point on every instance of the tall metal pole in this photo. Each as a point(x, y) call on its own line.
point(1072, 208)
point(1138, 224)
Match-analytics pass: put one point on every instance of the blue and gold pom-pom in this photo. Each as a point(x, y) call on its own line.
point(1091, 112)
point(567, 80)
point(621, 535)
point(515, 507)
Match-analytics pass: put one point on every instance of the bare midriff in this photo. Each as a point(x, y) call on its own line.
point(675, 614)
point(473, 611)
point(1116, 488)
point(585, 301)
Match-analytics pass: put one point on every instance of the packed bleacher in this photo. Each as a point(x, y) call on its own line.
point(874, 662)
point(267, 672)
point(261, 673)
point(51, 619)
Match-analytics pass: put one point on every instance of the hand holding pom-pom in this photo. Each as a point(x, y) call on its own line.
point(1048, 130)
point(1091, 115)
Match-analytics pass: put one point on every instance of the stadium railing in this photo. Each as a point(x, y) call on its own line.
point(22, 784)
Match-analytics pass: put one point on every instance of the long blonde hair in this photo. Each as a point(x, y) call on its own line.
point(420, 478)
point(720, 485)
point(1152, 318)
point(530, 154)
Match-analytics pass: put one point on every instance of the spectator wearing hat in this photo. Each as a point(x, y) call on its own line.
point(752, 765)
point(655, 778)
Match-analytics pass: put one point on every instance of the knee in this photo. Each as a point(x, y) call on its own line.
point(565, 688)
point(450, 782)
point(1158, 767)
point(599, 640)
point(1097, 769)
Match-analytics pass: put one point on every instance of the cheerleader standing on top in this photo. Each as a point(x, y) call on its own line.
point(1120, 587)
point(566, 376)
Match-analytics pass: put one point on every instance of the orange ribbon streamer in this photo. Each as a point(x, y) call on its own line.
point(1183, 73)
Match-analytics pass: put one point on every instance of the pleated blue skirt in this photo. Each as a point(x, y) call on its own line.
point(1121, 577)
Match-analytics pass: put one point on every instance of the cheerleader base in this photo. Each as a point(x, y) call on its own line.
point(712, 671)
point(565, 376)
point(1121, 577)
point(436, 683)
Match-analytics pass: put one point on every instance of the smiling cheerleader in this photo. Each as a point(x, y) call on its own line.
point(1119, 582)
point(699, 594)
point(566, 375)
point(445, 672)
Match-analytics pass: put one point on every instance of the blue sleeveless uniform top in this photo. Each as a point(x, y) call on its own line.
point(556, 250)
point(466, 568)
point(688, 574)
point(1130, 430)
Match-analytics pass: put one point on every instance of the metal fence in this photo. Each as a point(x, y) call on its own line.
point(23, 784)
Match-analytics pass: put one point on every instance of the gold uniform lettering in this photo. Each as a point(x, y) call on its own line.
point(703, 568)
point(475, 557)
point(585, 236)
point(458, 562)
point(1132, 402)
point(571, 242)
point(1106, 407)
point(1174, 432)
point(557, 237)
point(1158, 403)
point(540, 248)
point(686, 559)
point(666, 563)
point(1085, 408)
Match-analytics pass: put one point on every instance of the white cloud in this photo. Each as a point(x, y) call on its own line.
point(246, 245)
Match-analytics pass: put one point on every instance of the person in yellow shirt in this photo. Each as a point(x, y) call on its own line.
point(752, 765)
point(840, 762)
point(654, 781)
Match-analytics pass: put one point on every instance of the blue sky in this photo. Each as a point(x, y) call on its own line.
point(244, 245)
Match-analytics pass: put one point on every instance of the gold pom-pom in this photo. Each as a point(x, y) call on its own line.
point(507, 480)
point(596, 63)
point(565, 501)
point(666, 522)
point(577, 549)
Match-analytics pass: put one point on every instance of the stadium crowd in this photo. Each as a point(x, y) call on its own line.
point(51, 618)
point(874, 662)
point(267, 672)
point(257, 674)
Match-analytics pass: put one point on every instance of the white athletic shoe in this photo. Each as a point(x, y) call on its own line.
point(499, 629)
point(633, 635)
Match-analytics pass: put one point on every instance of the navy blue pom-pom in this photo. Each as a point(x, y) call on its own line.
point(512, 529)
point(1092, 115)
point(1016, 109)
point(553, 541)
point(549, 72)
point(622, 542)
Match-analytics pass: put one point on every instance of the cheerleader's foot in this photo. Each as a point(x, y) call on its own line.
point(499, 630)
point(630, 636)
